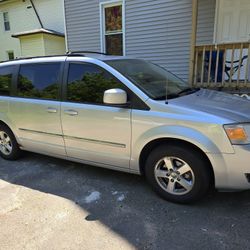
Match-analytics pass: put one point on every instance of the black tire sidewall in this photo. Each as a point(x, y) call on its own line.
point(191, 157)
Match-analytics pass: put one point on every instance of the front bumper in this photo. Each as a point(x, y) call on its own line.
point(231, 170)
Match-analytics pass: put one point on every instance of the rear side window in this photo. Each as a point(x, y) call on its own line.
point(39, 81)
point(87, 83)
point(5, 80)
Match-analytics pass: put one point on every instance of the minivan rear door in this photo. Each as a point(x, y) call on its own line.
point(35, 107)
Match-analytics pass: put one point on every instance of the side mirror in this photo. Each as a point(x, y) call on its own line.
point(115, 97)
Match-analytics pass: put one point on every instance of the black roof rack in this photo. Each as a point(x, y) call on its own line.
point(85, 52)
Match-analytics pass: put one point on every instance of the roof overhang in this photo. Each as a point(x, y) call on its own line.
point(4, 1)
point(38, 31)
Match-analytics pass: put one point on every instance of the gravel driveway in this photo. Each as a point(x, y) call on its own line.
point(46, 203)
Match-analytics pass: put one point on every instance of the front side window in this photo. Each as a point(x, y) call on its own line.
point(113, 33)
point(87, 83)
point(39, 81)
point(6, 21)
point(5, 80)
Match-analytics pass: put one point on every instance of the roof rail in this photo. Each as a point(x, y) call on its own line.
point(85, 52)
point(69, 53)
point(31, 57)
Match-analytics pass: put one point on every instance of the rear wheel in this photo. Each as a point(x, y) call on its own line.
point(177, 173)
point(9, 148)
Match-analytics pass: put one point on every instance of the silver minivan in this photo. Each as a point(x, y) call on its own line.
point(129, 115)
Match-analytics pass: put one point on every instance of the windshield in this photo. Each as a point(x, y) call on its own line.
point(153, 80)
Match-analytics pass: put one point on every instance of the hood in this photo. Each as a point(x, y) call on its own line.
point(216, 103)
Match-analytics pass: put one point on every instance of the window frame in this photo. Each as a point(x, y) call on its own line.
point(60, 81)
point(103, 6)
point(6, 16)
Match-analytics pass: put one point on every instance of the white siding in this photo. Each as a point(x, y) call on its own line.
point(206, 19)
point(54, 45)
point(32, 45)
point(17, 11)
point(51, 14)
point(24, 19)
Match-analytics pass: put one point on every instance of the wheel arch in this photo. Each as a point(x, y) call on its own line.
point(3, 123)
point(173, 141)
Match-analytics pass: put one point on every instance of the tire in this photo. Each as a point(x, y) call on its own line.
point(178, 174)
point(9, 148)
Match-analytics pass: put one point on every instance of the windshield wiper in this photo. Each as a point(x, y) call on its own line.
point(183, 92)
point(159, 98)
point(187, 91)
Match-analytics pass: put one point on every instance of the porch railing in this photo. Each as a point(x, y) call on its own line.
point(224, 66)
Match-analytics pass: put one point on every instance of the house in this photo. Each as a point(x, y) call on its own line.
point(31, 28)
point(203, 41)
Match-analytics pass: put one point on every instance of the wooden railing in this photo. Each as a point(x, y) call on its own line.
point(222, 66)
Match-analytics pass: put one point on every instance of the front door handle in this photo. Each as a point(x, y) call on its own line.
point(51, 110)
point(71, 112)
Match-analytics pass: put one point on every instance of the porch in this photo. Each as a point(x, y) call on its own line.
point(224, 63)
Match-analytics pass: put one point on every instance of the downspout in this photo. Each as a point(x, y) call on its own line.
point(193, 40)
point(37, 15)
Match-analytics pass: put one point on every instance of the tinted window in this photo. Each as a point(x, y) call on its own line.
point(5, 80)
point(87, 83)
point(39, 81)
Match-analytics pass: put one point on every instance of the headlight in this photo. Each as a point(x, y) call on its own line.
point(238, 133)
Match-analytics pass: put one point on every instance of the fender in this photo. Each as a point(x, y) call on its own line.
point(187, 134)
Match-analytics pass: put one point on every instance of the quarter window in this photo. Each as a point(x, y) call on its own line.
point(39, 81)
point(5, 80)
point(87, 83)
point(113, 33)
point(6, 21)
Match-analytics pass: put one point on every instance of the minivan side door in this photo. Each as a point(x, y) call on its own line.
point(93, 131)
point(35, 107)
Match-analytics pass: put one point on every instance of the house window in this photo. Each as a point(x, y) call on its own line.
point(113, 29)
point(11, 55)
point(6, 21)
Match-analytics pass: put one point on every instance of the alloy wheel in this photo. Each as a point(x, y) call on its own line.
point(174, 175)
point(5, 143)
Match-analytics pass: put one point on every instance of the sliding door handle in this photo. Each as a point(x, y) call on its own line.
point(71, 112)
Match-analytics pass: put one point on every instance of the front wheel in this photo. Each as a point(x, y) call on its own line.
point(177, 173)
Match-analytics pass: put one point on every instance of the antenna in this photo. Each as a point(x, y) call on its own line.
point(166, 91)
point(166, 101)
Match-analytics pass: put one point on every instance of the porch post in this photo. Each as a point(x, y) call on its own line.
point(193, 40)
